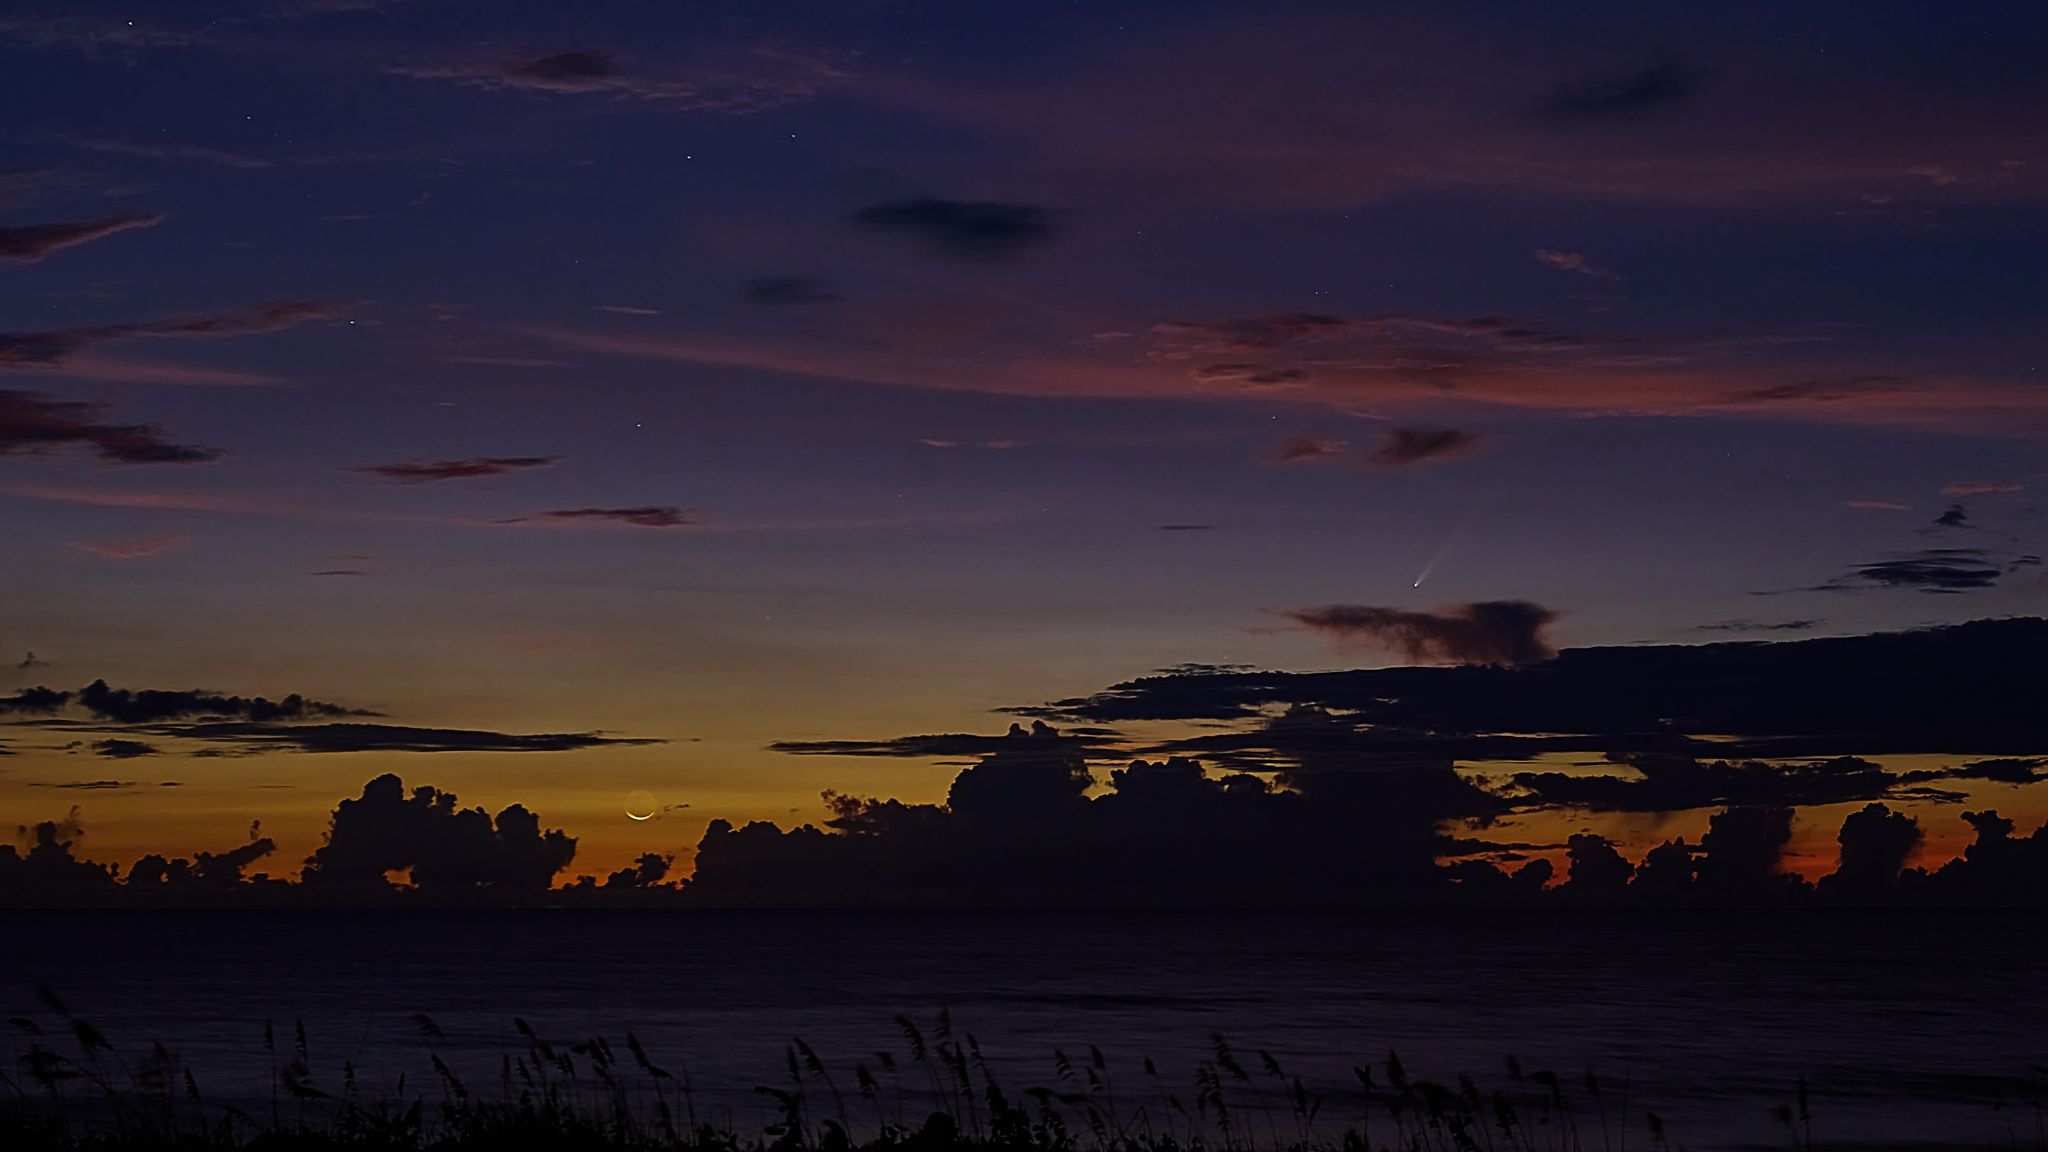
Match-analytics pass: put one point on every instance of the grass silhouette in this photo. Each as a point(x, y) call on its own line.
point(69, 1089)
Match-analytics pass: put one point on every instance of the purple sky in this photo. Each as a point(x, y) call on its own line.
point(728, 374)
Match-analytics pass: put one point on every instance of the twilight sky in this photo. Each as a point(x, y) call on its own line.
point(708, 377)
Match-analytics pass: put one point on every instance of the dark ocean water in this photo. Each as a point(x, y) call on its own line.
point(1911, 1028)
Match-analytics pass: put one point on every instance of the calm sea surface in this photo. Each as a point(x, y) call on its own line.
point(1909, 1027)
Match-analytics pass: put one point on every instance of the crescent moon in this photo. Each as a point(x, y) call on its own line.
point(642, 805)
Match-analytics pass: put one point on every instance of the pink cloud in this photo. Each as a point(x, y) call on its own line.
point(1981, 488)
point(133, 547)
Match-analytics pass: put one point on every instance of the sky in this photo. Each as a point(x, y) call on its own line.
point(640, 397)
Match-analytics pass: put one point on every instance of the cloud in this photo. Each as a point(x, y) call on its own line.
point(1876, 844)
point(30, 244)
point(256, 736)
point(1628, 93)
point(438, 845)
point(560, 72)
point(626, 310)
point(89, 34)
point(777, 290)
point(1965, 688)
point(1145, 123)
point(1935, 570)
point(30, 661)
point(33, 422)
point(124, 749)
point(1303, 449)
point(956, 745)
point(20, 187)
point(733, 81)
point(1878, 505)
point(340, 572)
point(644, 516)
point(1251, 377)
point(1189, 339)
point(2013, 770)
point(998, 445)
point(57, 346)
point(1489, 632)
point(970, 229)
point(38, 699)
point(1390, 362)
point(1404, 447)
point(1666, 783)
point(1981, 488)
point(1185, 527)
point(504, 361)
point(133, 547)
point(148, 705)
point(185, 152)
point(1748, 625)
point(1019, 827)
point(1953, 517)
point(430, 470)
point(1566, 261)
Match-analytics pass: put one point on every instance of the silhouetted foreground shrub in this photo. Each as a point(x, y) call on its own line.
point(68, 1088)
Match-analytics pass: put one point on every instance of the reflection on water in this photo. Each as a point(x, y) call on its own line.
point(1907, 1026)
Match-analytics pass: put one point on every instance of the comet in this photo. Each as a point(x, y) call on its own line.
point(1444, 548)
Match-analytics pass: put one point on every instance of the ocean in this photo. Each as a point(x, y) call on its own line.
point(1911, 1029)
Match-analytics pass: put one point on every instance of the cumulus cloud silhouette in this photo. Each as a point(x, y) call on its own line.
point(1488, 632)
point(440, 847)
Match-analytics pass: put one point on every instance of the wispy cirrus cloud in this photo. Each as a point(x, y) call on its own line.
point(1982, 488)
point(88, 33)
point(1305, 449)
point(1407, 447)
point(187, 153)
point(427, 471)
point(31, 243)
point(785, 290)
point(945, 442)
point(33, 422)
point(1397, 363)
point(1567, 261)
point(57, 346)
point(643, 516)
point(133, 547)
point(722, 79)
